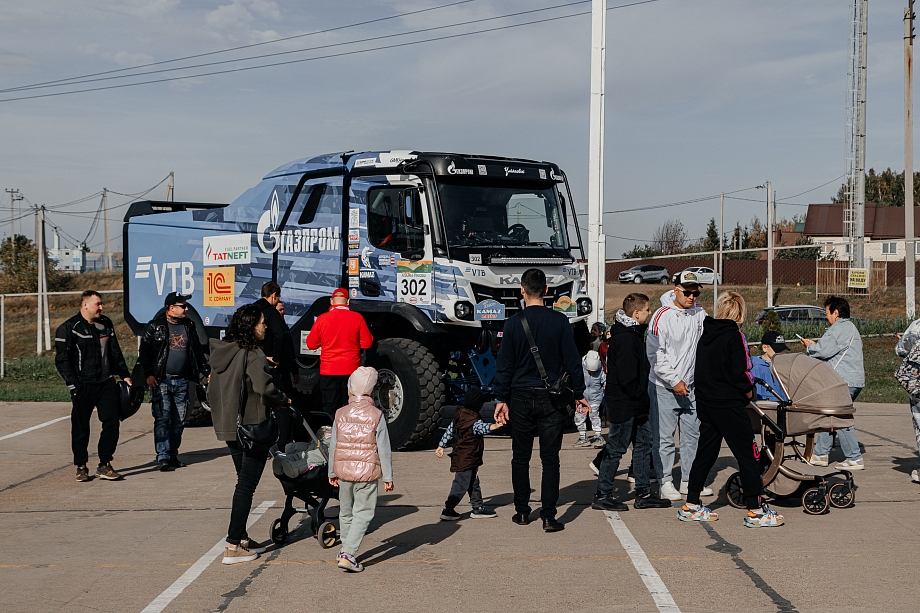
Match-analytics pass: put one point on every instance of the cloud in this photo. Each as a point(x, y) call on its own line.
point(238, 14)
point(126, 58)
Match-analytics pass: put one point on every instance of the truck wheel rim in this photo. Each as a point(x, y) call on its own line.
point(389, 394)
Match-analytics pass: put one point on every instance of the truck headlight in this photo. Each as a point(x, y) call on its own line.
point(584, 306)
point(463, 310)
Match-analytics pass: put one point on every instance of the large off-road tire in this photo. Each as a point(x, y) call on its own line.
point(198, 413)
point(409, 391)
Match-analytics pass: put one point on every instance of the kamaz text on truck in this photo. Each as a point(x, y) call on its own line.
point(431, 247)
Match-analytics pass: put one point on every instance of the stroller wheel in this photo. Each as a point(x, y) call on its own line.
point(814, 502)
point(279, 532)
point(733, 491)
point(327, 535)
point(841, 496)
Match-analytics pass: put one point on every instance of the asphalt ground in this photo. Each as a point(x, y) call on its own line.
point(143, 544)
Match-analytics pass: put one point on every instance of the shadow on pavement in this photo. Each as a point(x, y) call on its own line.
point(410, 540)
point(191, 458)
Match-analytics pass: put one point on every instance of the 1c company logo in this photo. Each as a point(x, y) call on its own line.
point(219, 286)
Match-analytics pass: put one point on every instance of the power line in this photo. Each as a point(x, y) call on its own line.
point(670, 204)
point(209, 53)
point(321, 57)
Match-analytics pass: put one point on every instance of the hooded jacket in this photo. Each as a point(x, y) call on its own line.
point(224, 388)
point(671, 342)
point(627, 371)
point(723, 366)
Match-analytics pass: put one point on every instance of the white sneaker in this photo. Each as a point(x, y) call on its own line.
point(668, 491)
point(850, 465)
point(818, 460)
point(594, 468)
point(684, 489)
point(915, 476)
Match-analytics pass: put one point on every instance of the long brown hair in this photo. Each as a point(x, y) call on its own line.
point(242, 328)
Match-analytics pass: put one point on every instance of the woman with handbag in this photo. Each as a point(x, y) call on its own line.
point(243, 398)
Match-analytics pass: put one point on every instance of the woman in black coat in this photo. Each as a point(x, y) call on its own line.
point(724, 387)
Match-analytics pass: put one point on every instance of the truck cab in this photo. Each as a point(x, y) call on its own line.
point(430, 246)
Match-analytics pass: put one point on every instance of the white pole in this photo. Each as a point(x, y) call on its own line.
point(909, 248)
point(2, 336)
point(105, 223)
point(859, 247)
point(769, 245)
point(38, 292)
point(596, 256)
point(46, 310)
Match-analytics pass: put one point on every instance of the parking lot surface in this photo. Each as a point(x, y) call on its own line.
point(151, 542)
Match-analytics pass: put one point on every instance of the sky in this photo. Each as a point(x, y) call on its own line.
point(703, 96)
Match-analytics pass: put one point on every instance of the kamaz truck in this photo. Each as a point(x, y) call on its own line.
point(431, 247)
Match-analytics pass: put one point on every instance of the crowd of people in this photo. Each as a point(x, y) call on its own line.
point(677, 371)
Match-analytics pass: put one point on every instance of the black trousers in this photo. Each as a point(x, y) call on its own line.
point(334, 389)
point(531, 414)
point(103, 397)
point(249, 466)
point(465, 482)
point(734, 426)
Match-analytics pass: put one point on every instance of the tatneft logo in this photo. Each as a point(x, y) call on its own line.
point(184, 282)
point(452, 169)
point(513, 171)
point(300, 240)
point(227, 249)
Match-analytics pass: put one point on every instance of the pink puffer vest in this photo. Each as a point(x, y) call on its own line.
point(356, 456)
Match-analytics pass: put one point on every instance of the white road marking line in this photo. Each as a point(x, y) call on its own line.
point(169, 594)
point(653, 582)
point(47, 423)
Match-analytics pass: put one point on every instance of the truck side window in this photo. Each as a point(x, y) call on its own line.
point(312, 205)
point(394, 219)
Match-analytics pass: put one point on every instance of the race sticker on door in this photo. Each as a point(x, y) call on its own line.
point(566, 306)
point(218, 286)
point(413, 282)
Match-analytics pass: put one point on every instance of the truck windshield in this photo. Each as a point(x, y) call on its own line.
point(495, 213)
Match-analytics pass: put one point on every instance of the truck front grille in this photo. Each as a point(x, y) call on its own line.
point(510, 295)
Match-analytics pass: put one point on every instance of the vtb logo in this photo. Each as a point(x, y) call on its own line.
point(219, 286)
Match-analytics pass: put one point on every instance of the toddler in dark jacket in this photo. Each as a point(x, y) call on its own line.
point(467, 430)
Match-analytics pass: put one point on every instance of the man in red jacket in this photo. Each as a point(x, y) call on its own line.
point(341, 334)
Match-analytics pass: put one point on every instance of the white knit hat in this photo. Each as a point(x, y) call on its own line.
point(592, 361)
point(362, 381)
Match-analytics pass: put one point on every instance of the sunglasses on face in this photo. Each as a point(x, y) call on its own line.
point(695, 293)
point(184, 307)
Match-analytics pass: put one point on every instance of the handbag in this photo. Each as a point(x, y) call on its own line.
point(560, 393)
point(908, 373)
point(254, 437)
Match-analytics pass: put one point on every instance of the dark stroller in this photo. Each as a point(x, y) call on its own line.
point(818, 401)
point(311, 487)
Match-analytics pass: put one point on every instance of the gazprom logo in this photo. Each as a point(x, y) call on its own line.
point(298, 240)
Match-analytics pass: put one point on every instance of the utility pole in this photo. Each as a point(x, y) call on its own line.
point(41, 270)
point(43, 257)
point(105, 224)
point(597, 251)
point(14, 197)
point(170, 194)
point(909, 244)
point(860, 202)
point(769, 245)
point(718, 274)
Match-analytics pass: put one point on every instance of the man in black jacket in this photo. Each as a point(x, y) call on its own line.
point(87, 356)
point(627, 400)
point(171, 355)
point(518, 383)
point(279, 350)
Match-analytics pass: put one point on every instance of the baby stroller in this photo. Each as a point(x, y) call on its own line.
point(818, 401)
point(310, 486)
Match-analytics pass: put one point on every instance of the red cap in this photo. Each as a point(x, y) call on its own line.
point(340, 293)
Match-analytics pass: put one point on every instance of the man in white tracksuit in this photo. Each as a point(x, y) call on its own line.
point(671, 349)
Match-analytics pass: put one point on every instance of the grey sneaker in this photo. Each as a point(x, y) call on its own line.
point(598, 442)
point(583, 442)
point(483, 513)
point(349, 563)
point(105, 471)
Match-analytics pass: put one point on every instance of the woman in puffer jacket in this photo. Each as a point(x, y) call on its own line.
point(246, 330)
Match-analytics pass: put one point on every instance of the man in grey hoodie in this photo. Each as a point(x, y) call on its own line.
point(841, 347)
point(906, 343)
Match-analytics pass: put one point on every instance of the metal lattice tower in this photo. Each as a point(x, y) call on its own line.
point(854, 212)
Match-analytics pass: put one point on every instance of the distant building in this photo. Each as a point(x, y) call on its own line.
point(884, 228)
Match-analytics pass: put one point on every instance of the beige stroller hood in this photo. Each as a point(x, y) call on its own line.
point(812, 385)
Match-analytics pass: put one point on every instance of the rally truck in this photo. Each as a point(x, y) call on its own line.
point(430, 246)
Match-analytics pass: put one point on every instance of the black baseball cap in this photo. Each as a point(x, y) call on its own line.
point(175, 298)
point(776, 341)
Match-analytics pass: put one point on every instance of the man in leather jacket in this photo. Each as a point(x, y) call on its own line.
point(171, 356)
point(87, 356)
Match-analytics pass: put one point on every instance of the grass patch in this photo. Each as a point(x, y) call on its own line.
point(36, 379)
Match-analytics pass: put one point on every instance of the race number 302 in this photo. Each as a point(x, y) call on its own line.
point(413, 282)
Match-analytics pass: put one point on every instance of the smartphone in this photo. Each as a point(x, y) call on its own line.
point(800, 337)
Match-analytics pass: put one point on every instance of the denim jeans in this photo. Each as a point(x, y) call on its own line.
point(249, 466)
point(531, 414)
point(617, 441)
point(670, 413)
point(170, 403)
point(848, 443)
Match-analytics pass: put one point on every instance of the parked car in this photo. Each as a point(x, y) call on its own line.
point(644, 273)
point(705, 275)
point(795, 314)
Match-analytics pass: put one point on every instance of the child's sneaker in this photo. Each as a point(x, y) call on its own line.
point(483, 513)
point(240, 554)
point(696, 512)
point(449, 515)
point(349, 563)
point(583, 442)
point(764, 517)
point(598, 442)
